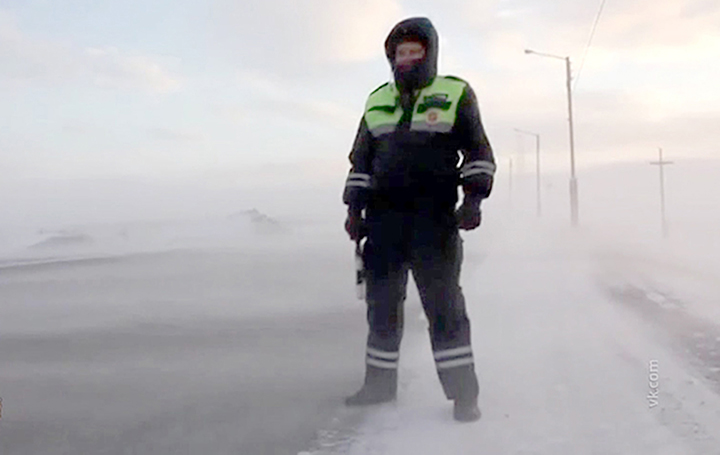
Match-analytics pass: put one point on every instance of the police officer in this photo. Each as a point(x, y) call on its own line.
point(404, 178)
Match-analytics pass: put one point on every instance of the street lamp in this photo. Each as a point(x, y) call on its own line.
point(573, 179)
point(537, 166)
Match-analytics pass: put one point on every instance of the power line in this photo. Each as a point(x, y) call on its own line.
point(589, 43)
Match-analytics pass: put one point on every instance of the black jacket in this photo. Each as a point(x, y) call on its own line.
point(417, 170)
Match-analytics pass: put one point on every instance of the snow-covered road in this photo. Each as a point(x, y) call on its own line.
point(565, 364)
point(188, 352)
point(582, 346)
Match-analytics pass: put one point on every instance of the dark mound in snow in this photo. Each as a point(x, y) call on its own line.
point(261, 222)
point(62, 240)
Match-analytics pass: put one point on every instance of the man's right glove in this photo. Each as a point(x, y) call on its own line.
point(355, 225)
point(468, 215)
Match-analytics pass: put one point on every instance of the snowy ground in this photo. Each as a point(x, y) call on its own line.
point(567, 346)
point(194, 350)
point(216, 337)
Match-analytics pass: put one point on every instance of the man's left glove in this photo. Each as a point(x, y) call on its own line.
point(468, 215)
point(355, 225)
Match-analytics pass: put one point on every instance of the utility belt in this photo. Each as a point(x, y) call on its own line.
point(439, 194)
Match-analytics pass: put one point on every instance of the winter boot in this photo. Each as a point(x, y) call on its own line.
point(466, 410)
point(380, 387)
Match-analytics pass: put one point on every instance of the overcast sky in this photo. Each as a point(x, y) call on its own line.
point(272, 91)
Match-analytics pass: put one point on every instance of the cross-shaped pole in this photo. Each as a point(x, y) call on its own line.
point(661, 165)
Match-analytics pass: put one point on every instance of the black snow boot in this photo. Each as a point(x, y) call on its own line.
point(466, 410)
point(380, 387)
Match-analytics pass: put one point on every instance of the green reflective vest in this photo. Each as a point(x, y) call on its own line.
point(435, 110)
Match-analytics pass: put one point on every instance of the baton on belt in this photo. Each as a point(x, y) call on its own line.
point(359, 270)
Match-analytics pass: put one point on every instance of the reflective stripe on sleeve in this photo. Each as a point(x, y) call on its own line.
point(478, 167)
point(478, 171)
point(358, 176)
point(357, 183)
point(357, 179)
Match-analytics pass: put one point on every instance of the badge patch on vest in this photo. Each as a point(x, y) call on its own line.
point(437, 100)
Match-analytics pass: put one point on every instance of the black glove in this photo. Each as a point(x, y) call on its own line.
point(468, 215)
point(355, 225)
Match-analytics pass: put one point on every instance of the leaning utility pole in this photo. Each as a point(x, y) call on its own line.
point(661, 165)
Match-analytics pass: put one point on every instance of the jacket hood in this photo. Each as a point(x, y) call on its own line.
point(423, 30)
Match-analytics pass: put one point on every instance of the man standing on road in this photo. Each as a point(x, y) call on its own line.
point(405, 173)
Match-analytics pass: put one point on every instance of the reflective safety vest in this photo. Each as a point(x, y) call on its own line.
point(435, 110)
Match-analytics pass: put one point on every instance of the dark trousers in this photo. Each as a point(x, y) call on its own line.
point(430, 246)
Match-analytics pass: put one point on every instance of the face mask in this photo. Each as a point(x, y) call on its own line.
point(409, 68)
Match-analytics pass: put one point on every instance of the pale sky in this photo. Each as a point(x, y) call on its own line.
point(271, 91)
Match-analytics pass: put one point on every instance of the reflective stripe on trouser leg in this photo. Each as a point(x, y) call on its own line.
point(382, 359)
point(453, 358)
point(456, 370)
point(436, 268)
point(381, 371)
point(386, 284)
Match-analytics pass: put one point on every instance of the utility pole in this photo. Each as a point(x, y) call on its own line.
point(510, 171)
point(537, 168)
point(574, 201)
point(537, 175)
point(520, 155)
point(661, 165)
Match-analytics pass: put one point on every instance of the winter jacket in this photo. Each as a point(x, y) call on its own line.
point(407, 151)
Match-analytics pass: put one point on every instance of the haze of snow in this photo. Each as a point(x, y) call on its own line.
point(566, 322)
